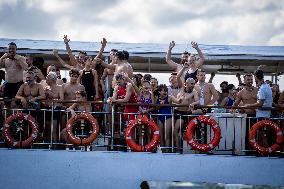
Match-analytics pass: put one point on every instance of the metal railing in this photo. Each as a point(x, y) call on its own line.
point(234, 128)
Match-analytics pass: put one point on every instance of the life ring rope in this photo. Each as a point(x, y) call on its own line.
point(129, 132)
point(82, 141)
point(31, 123)
point(253, 132)
point(190, 132)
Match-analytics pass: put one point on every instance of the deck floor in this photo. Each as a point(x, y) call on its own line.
point(101, 169)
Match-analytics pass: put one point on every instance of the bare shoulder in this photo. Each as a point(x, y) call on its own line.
point(211, 86)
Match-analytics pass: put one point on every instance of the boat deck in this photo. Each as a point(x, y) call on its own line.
point(70, 169)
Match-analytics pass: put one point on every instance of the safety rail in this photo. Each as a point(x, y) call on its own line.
point(234, 128)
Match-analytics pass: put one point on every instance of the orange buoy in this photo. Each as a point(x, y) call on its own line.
point(138, 122)
point(191, 130)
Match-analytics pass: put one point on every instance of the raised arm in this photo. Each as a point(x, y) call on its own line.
point(61, 61)
point(239, 78)
point(169, 60)
point(103, 80)
point(200, 62)
point(214, 94)
point(105, 65)
point(180, 84)
point(96, 83)
point(103, 45)
point(211, 77)
point(69, 51)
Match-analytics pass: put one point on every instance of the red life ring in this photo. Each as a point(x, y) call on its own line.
point(191, 130)
point(129, 132)
point(85, 141)
point(31, 123)
point(261, 149)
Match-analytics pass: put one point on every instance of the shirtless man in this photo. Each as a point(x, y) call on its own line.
point(264, 99)
point(188, 97)
point(119, 66)
point(30, 92)
point(130, 69)
point(195, 63)
point(14, 66)
point(71, 87)
point(207, 93)
point(82, 58)
point(53, 91)
point(247, 95)
point(107, 77)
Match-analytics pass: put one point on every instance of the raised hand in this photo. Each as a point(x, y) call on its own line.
point(97, 60)
point(66, 40)
point(194, 45)
point(104, 42)
point(172, 45)
point(6, 55)
point(212, 74)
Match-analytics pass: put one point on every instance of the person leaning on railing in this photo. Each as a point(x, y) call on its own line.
point(53, 91)
point(207, 93)
point(264, 100)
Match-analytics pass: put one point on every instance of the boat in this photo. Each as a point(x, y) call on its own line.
point(107, 163)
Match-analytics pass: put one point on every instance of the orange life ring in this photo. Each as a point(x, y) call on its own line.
point(191, 130)
point(129, 132)
point(82, 141)
point(261, 149)
point(20, 117)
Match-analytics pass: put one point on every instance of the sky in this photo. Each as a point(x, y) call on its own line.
point(241, 22)
point(229, 22)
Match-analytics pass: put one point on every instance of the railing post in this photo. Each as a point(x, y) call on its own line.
point(234, 134)
point(173, 125)
point(112, 126)
point(51, 124)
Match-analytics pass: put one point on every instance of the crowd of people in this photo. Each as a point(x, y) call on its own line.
point(91, 79)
